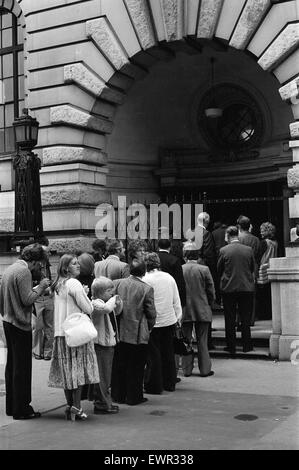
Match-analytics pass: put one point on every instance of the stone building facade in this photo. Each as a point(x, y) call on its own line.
point(119, 88)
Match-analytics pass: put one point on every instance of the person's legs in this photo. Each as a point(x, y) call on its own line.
point(37, 330)
point(153, 382)
point(204, 360)
point(69, 397)
point(19, 371)
point(245, 301)
point(167, 357)
point(119, 371)
point(187, 329)
point(76, 397)
point(48, 319)
point(102, 397)
point(136, 356)
point(230, 308)
point(9, 369)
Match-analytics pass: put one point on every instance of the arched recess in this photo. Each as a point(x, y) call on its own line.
point(267, 30)
point(80, 72)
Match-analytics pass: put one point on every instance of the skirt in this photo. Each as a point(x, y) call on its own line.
point(72, 367)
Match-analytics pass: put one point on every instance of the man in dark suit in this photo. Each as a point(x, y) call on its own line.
point(172, 265)
point(236, 267)
point(248, 239)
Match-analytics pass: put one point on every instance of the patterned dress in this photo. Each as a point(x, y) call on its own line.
point(77, 366)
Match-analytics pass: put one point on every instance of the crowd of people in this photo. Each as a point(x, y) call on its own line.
point(136, 306)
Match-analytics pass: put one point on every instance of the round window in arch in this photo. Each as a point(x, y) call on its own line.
point(240, 127)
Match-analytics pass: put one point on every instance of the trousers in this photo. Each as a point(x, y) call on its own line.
point(101, 391)
point(160, 368)
point(201, 332)
point(243, 303)
point(18, 370)
point(42, 326)
point(128, 373)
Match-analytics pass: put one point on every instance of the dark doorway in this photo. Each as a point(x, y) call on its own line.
point(261, 202)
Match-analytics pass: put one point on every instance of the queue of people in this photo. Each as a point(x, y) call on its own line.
point(135, 308)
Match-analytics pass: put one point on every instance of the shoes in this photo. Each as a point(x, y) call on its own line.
point(120, 402)
point(187, 375)
point(170, 389)
point(77, 413)
point(36, 356)
point(47, 358)
point(143, 400)
point(177, 380)
point(247, 349)
point(112, 410)
point(207, 375)
point(33, 415)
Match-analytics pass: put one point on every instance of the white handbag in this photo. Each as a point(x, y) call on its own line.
point(78, 329)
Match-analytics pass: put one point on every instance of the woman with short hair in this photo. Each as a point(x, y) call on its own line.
point(269, 248)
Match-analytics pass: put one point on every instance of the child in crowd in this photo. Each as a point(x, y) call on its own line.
point(106, 306)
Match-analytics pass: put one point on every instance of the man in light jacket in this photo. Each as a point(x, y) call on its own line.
point(112, 267)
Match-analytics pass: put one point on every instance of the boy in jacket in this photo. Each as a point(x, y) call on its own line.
point(106, 306)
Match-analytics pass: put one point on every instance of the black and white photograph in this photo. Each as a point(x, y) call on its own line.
point(149, 228)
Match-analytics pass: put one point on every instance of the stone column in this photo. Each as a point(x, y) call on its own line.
point(284, 276)
point(284, 272)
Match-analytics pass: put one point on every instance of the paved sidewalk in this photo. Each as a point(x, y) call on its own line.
point(247, 404)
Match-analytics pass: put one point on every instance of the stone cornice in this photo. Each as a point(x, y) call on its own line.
point(73, 195)
point(107, 41)
point(290, 91)
point(293, 177)
point(69, 115)
point(284, 44)
point(294, 129)
point(81, 75)
point(209, 14)
point(248, 22)
point(141, 18)
point(61, 154)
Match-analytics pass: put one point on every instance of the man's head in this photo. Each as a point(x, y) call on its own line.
point(137, 249)
point(231, 233)
point(36, 258)
point(137, 268)
point(116, 248)
point(152, 261)
point(99, 246)
point(102, 288)
point(203, 219)
point(164, 244)
point(243, 223)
